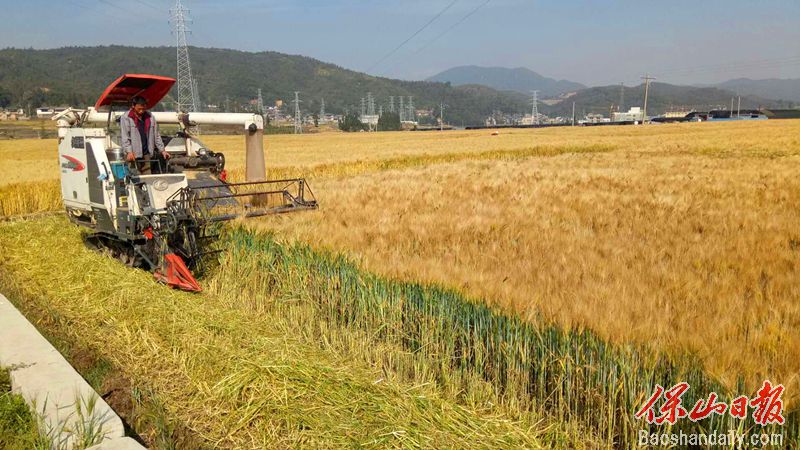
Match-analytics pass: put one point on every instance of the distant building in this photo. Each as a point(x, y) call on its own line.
point(424, 113)
point(528, 119)
point(594, 118)
point(676, 114)
point(369, 119)
point(10, 114)
point(47, 112)
point(635, 114)
point(44, 113)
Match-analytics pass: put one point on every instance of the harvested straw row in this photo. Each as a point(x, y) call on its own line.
point(529, 365)
point(233, 378)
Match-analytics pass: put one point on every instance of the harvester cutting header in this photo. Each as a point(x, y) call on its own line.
point(162, 221)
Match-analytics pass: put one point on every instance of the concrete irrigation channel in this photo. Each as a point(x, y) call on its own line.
point(64, 401)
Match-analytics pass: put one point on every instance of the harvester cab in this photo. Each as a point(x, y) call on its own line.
point(163, 222)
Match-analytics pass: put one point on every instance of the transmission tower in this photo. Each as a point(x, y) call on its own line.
point(322, 109)
point(402, 110)
point(187, 96)
point(412, 113)
point(380, 110)
point(298, 124)
point(621, 97)
point(260, 104)
point(363, 108)
point(391, 103)
point(535, 108)
point(370, 104)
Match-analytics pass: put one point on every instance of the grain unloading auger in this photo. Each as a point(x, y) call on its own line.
point(163, 222)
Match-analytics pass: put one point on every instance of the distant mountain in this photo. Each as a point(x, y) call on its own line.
point(662, 97)
point(77, 75)
point(504, 79)
point(774, 88)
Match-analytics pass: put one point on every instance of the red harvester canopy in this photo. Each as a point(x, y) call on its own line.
point(152, 87)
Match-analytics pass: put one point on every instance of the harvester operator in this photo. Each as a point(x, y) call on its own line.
point(140, 138)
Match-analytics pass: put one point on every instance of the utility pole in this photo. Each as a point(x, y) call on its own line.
point(647, 78)
point(739, 107)
point(196, 97)
point(441, 116)
point(573, 114)
point(535, 108)
point(298, 124)
point(186, 87)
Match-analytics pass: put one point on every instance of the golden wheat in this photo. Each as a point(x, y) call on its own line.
point(684, 243)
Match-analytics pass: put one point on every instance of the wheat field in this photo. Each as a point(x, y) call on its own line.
point(683, 253)
point(680, 237)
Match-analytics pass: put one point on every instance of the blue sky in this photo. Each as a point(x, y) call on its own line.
point(593, 42)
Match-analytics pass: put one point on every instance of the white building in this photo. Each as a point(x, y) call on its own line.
point(369, 119)
point(635, 114)
point(47, 112)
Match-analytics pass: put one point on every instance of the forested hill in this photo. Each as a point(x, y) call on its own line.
point(77, 75)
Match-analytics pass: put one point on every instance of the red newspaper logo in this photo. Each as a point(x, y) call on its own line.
point(711, 406)
point(767, 404)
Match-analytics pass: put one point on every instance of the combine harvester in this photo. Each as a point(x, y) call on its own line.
point(162, 222)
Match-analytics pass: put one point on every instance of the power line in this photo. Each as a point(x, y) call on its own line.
point(386, 56)
point(93, 10)
point(462, 20)
point(106, 2)
point(101, 12)
point(150, 5)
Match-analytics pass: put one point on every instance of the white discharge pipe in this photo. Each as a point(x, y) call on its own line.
point(253, 124)
point(198, 118)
